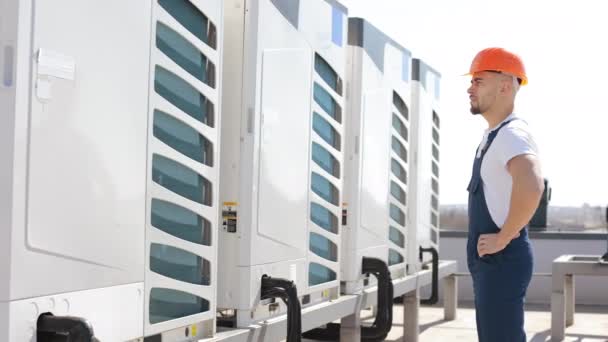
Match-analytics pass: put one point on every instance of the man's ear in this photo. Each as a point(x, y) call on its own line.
point(505, 86)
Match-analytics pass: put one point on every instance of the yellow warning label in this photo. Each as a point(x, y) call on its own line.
point(229, 216)
point(193, 330)
point(325, 293)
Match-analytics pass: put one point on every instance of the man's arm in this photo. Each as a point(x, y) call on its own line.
point(528, 187)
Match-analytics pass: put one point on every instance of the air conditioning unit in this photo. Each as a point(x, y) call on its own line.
point(377, 151)
point(183, 169)
point(282, 151)
point(74, 103)
point(424, 169)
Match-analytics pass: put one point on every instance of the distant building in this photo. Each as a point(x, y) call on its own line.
point(586, 217)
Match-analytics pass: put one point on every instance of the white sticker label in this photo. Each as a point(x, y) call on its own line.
point(54, 64)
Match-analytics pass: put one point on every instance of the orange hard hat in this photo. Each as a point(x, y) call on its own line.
point(501, 60)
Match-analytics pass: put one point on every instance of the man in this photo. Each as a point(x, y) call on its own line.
point(504, 191)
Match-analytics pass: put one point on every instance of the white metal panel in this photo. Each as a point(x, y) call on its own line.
point(76, 190)
point(376, 165)
point(115, 313)
point(233, 247)
point(38, 260)
point(65, 270)
point(19, 28)
point(424, 170)
point(350, 270)
point(5, 321)
point(425, 95)
point(424, 175)
point(8, 65)
point(268, 32)
point(59, 274)
point(260, 19)
point(417, 182)
point(284, 151)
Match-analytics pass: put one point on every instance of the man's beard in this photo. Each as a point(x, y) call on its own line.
point(475, 110)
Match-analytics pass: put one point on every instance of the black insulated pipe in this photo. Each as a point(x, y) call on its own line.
point(435, 276)
point(51, 328)
point(383, 322)
point(384, 318)
point(285, 290)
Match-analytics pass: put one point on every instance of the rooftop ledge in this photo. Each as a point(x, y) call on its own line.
point(549, 234)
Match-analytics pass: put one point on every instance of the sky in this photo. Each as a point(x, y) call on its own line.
point(564, 103)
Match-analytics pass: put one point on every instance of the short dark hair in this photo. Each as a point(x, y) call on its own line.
point(519, 80)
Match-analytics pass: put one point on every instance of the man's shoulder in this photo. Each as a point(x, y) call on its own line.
point(517, 128)
point(515, 138)
point(517, 122)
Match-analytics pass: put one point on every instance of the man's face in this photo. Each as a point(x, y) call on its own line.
point(483, 91)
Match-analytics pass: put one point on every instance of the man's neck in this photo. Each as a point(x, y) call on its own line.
point(495, 117)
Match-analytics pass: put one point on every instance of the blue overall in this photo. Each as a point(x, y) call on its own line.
point(500, 280)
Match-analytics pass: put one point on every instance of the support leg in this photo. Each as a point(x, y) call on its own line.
point(450, 297)
point(411, 308)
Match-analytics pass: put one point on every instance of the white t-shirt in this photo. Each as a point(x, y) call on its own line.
point(512, 140)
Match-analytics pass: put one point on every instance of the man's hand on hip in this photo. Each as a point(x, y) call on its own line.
point(491, 243)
